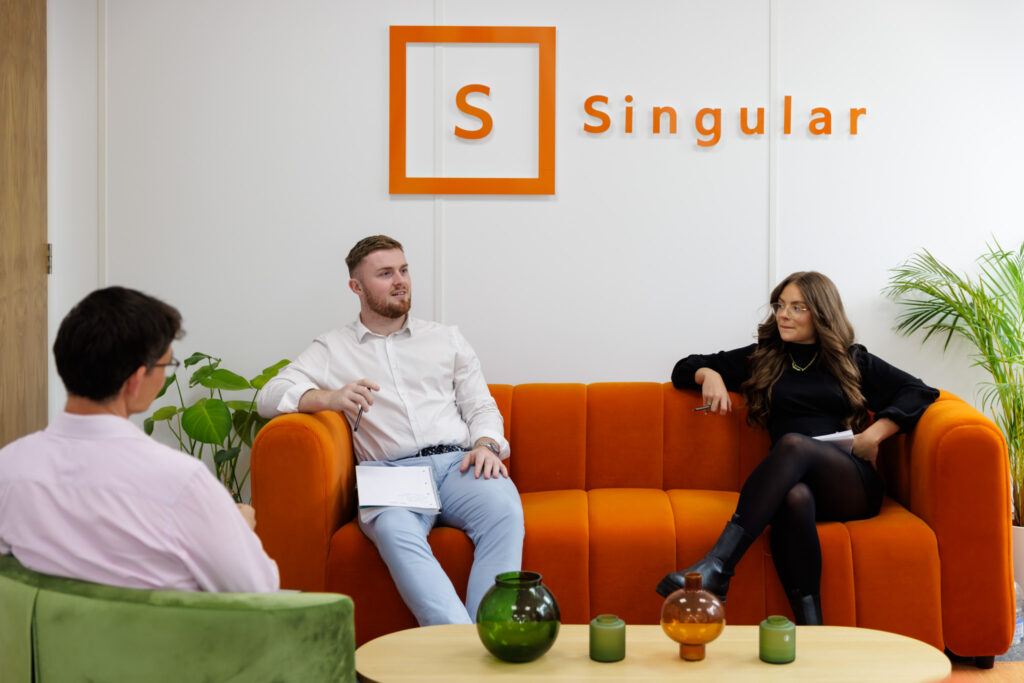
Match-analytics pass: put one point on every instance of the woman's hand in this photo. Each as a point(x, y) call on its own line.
point(865, 448)
point(713, 389)
point(865, 444)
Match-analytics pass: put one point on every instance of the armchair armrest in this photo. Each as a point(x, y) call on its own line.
point(63, 629)
point(303, 490)
point(959, 484)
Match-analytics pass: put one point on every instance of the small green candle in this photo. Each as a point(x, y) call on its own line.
point(777, 640)
point(607, 638)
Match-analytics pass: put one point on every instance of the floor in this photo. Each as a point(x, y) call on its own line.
point(1002, 672)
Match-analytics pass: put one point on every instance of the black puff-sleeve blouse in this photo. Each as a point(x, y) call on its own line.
point(811, 402)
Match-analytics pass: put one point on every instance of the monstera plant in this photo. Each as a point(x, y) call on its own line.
point(986, 309)
point(212, 424)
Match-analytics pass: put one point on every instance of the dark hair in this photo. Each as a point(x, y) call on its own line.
point(367, 246)
point(835, 337)
point(109, 335)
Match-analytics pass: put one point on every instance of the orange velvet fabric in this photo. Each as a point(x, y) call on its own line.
point(622, 482)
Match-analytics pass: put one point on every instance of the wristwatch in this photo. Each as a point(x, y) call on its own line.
point(492, 447)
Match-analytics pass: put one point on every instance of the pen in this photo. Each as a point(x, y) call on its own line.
point(697, 409)
point(359, 416)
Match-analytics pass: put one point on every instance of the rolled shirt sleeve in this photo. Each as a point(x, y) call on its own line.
point(476, 405)
point(309, 371)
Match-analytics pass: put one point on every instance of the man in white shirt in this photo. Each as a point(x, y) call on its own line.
point(415, 390)
point(92, 497)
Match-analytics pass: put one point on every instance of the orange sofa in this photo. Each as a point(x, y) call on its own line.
point(623, 482)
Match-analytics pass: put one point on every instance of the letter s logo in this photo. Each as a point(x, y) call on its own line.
point(486, 123)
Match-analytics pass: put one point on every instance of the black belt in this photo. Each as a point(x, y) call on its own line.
point(436, 450)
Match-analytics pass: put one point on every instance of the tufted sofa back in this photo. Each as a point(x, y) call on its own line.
point(624, 435)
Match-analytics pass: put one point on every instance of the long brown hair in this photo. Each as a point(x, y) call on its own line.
point(835, 336)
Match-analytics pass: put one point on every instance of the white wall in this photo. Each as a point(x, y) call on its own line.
point(246, 151)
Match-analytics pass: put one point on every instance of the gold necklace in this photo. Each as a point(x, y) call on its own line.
point(799, 368)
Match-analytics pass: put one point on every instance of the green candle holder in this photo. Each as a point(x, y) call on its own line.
point(777, 640)
point(607, 638)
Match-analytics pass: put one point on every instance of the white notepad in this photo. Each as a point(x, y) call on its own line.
point(842, 439)
point(380, 487)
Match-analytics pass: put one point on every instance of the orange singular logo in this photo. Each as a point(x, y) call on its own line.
point(708, 121)
point(541, 122)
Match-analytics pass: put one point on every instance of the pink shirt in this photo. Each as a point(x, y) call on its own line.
point(94, 498)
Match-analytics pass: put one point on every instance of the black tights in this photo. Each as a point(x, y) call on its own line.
point(802, 481)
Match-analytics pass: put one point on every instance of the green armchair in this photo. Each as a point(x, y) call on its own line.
point(54, 629)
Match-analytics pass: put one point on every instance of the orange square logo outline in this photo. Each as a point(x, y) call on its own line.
point(544, 37)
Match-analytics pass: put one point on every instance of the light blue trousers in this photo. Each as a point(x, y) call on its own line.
point(488, 510)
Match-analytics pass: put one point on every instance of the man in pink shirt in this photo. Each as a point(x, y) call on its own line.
point(92, 497)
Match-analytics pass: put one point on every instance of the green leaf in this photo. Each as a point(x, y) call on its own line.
point(208, 420)
point(167, 382)
point(242, 421)
point(268, 374)
point(224, 379)
point(223, 456)
point(275, 368)
point(147, 425)
point(238, 405)
point(200, 374)
point(165, 413)
point(197, 357)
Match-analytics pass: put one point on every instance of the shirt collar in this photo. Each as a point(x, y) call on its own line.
point(407, 329)
point(93, 426)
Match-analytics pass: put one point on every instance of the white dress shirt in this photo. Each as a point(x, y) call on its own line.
point(92, 497)
point(432, 391)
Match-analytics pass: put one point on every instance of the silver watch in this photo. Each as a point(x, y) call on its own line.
point(492, 447)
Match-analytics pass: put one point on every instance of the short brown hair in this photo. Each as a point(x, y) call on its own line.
point(367, 246)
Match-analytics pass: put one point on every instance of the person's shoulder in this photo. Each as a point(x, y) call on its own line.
point(419, 327)
point(858, 351)
point(15, 451)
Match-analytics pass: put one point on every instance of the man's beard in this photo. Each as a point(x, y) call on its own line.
point(388, 307)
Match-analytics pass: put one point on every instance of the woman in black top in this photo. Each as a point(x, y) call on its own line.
point(803, 378)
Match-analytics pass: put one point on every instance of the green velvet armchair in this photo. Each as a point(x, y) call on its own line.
point(54, 630)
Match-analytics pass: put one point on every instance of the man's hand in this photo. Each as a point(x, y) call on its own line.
point(248, 514)
point(348, 399)
point(484, 461)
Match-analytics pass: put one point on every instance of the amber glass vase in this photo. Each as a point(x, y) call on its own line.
point(518, 618)
point(692, 617)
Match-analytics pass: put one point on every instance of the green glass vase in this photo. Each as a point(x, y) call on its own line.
point(518, 618)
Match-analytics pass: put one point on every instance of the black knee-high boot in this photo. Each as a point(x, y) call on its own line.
point(717, 566)
point(806, 609)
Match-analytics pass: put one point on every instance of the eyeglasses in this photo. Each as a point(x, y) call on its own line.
point(794, 309)
point(169, 367)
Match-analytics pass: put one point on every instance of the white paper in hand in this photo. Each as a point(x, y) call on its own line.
point(380, 487)
point(842, 439)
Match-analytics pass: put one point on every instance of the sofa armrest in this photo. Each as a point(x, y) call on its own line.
point(303, 490)
point(959, 484)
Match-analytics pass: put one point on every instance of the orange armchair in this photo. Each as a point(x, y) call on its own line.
point(623, 482)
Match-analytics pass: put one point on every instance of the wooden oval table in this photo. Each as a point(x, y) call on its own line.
point(823, 653)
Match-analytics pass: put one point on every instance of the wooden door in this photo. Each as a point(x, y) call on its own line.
point(23, 253)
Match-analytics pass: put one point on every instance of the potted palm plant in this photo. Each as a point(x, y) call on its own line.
point(986, 309)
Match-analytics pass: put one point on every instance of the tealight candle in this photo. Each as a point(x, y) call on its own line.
point(607, 638)
point(777, 640)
